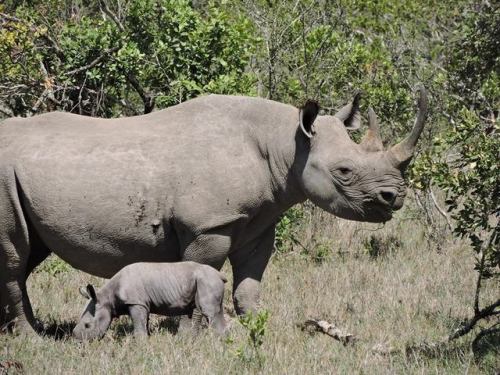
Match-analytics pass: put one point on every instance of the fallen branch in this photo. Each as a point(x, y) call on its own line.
point(329, 329)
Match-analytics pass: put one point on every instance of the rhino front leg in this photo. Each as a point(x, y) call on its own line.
point(140, 317)
point(248, 268)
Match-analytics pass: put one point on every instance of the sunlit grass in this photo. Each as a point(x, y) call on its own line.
point(407, 295)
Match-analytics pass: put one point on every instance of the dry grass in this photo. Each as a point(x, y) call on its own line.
point(404, 292)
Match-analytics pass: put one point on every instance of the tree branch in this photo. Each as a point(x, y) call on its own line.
point(480, 271)
point(110, 14)
point(440, 210)
point(95, 61)
point(147, 99)
point(469, 325)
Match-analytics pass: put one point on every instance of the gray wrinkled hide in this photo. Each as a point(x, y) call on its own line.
point(205, 180)
point(159, 288)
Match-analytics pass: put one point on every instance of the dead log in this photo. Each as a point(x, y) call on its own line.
point(330, 329)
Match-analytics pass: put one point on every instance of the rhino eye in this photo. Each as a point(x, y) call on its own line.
point(345, 171)
point(86, 325)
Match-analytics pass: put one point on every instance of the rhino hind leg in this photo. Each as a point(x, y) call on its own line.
point(15, 249)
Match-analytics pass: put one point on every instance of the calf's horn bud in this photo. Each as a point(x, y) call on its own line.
point(402, 153)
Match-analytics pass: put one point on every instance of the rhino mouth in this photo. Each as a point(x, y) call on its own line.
point(380, 213)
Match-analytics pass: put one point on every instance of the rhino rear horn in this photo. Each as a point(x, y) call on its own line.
point(307, 115)
point(402, 152)
point(371, 141)
point(350, 115)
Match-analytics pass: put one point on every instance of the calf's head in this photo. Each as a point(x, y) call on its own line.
point(362, 181)
point(96, 317)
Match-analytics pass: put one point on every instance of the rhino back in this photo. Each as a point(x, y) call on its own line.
point(117, 187)
point(164, 288)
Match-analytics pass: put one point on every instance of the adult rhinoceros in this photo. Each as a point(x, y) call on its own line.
point(204, 180)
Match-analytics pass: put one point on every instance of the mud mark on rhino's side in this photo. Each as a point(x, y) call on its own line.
point(140, 208)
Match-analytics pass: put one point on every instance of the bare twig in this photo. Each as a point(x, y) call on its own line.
point(8, 17)
point(440, 210)
point(6, 110)
point(111, 15)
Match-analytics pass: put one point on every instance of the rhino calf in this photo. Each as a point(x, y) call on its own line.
point(160, 288)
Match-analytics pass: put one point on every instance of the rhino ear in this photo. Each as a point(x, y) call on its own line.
point(91, 292)
point(307, 115)
point(350, 115)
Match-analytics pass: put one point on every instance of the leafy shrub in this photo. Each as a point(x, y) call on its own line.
point(287, 229)
point(255, 326)
point(107, 59)
point(54, 265)
point(378, 246)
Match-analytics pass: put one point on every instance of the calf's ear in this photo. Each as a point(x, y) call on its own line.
point(307, 115)
point(350, 115)
point(91, 292)
point(83, 292)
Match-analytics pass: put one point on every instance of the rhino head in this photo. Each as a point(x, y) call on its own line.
point(362, 181)
point(96, 317)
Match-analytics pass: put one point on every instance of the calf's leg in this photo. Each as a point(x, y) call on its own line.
point(209, 298)
point(140, 319)
point(211, 249)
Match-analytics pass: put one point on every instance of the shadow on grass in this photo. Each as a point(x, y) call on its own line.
point(170, 324)
point(57, 330)
point(486, 346)
point(123, 326)
point(436, 351)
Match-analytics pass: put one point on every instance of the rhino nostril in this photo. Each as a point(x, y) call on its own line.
point(388, 196)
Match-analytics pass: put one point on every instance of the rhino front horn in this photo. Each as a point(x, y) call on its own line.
point(402, 153)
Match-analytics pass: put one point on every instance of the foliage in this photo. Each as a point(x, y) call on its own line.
point(111, 58)
point(465, 159)
point(54, 265)
point(287, 228)
point(328, 51)
point(255, 326)
point(380, 246)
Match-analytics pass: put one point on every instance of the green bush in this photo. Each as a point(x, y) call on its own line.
point(288, 228)
point(109, 59)
point(54, 265)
